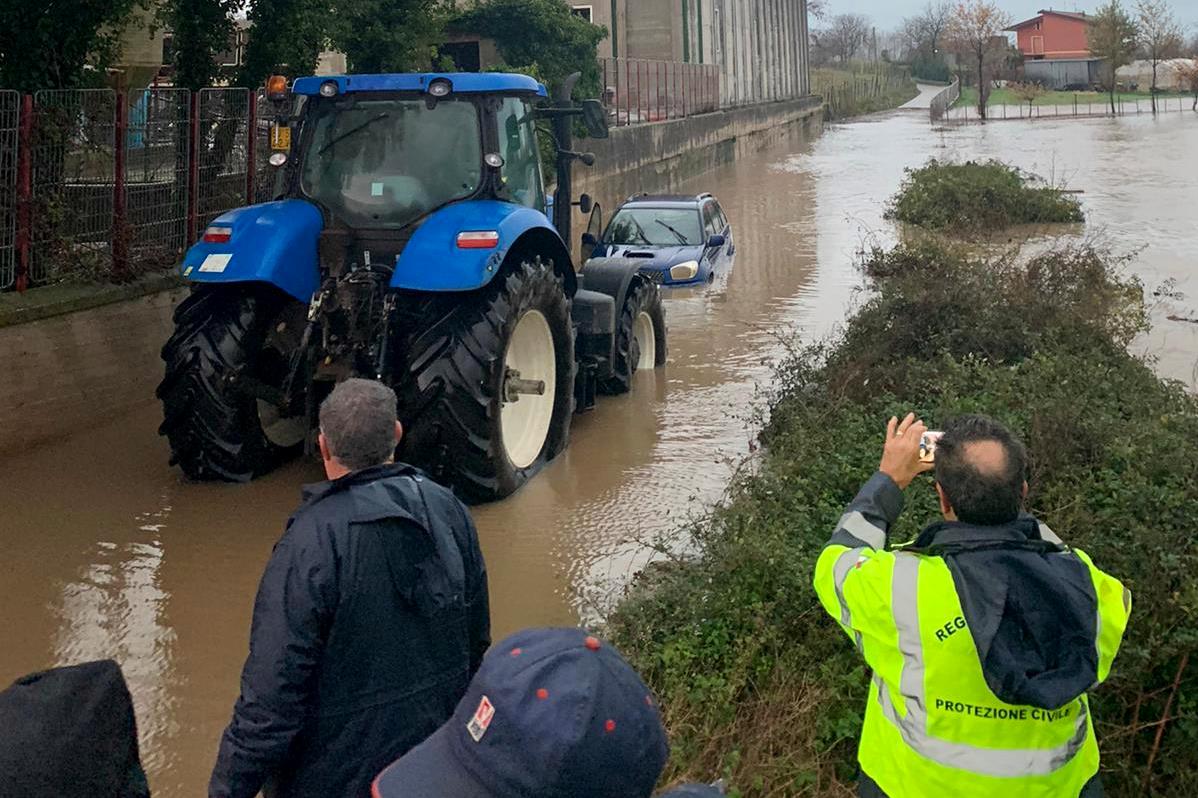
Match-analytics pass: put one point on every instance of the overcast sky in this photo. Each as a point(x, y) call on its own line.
point(888, 14)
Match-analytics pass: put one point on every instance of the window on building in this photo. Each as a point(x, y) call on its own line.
point(583, 11)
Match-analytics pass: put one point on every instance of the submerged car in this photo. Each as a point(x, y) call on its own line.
point(683, 240)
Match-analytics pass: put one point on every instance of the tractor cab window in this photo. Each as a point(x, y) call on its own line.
point(522, 182)
point(388, 162)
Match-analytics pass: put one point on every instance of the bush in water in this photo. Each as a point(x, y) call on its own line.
point(759, 687)
point(977, 197)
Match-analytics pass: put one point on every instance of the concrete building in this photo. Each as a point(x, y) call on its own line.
point(760, 46)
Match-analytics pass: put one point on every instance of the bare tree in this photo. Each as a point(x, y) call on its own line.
point(923, 32)
point(1113, 37)
point(1187, 75)
point(1160, 36)
point(1027, 92)
point(817, 8)
point(975, 31)
point(845, 35)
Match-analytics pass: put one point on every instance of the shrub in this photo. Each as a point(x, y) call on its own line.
point(759, 687)
point(977, 197)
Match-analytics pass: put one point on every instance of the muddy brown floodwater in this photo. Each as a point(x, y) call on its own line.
point(107, 552)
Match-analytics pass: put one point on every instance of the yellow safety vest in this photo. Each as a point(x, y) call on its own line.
point(932, 725)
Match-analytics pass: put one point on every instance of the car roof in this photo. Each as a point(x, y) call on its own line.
point(471, 82)
point(668, 200)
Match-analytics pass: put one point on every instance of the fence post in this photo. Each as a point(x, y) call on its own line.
point(251, 146)
point(193, 169)
point(24, 192)
point(120, 238)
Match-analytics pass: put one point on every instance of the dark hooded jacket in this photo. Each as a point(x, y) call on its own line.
point(70, 731)
point(370, 620)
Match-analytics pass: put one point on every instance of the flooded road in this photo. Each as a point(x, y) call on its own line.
point(107, 552)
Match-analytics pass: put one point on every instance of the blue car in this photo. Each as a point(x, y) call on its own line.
point(683, 240)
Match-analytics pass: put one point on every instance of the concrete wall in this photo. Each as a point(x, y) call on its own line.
point(67, 373)
point(658, 157)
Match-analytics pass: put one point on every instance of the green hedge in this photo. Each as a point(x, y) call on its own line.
point(761, 688)
point(977, 197)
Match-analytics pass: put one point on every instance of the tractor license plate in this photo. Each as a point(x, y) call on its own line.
point(280, 137)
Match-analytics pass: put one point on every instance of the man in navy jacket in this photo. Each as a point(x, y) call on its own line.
point(371, 618)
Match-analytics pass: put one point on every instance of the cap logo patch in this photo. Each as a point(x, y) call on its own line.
point(481, 721)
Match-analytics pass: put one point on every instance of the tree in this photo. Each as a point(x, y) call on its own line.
point(1160, 36)
point(1113, 37)
point(817, 8)
point(389, 35)
point(200, 29)
point(285, 37)
point(922, 33)
point(1187, 75)
point(845, 35)
point(540, 37)
point(975, 31)
point(1027, 92)
point(49, 45)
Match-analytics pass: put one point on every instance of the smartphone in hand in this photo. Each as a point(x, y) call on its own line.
point(927, 446)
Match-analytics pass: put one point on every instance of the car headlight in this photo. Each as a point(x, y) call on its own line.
point(685, 270)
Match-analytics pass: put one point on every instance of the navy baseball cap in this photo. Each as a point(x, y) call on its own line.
point(551, 713)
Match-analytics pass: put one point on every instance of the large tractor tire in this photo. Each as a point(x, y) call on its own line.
point(640, 337)
point(469, 401)
point(226, 339)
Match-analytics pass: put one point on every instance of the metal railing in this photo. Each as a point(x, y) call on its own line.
point(1078, 109)
point(103, 185)
point(944, 100)
point(10, 125)
point(638, 91)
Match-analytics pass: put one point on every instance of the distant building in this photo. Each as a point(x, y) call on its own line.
point(1053, 34)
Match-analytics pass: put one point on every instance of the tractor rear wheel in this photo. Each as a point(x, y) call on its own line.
point(640, 337)
point(231, 345)
point(490, 387)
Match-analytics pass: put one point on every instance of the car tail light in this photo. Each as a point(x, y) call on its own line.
point(478, 239)
point(218, 235)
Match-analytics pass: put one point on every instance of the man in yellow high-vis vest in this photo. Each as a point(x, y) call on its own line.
point(983, 634)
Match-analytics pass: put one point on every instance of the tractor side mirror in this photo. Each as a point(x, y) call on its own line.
point(595, 117)
point(716, 241)
point(590, 239)
point(585, 203)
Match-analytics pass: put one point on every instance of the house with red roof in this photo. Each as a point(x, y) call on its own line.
point(1053, 34)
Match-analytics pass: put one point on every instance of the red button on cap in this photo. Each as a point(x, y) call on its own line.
point(516, 652)
point(610, 726)
point(592, 643)
point(542, 694)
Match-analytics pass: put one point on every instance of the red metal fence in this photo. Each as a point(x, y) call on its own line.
point(98, 184)
point(637, 91)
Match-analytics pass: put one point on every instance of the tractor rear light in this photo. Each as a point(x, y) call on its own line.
point(479, 239)
point(217, 235)
point(440, 87)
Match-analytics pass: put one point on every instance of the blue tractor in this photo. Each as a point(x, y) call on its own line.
point(410, 242)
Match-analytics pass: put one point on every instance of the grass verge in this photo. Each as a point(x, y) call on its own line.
point(867, 90)
point(977, 197)
point(760, 688)
point(969, 97)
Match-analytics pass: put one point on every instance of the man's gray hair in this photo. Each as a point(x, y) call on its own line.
point(358, 421)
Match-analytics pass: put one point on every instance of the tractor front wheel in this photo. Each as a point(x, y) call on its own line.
point(640, 337)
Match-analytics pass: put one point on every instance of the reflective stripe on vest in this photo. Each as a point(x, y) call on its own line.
point(840, 572)
point(859, 527)
point(1002, 762)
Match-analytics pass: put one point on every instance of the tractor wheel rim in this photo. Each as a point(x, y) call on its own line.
point(281, 431)
point(646, 341)
point(525, 422)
